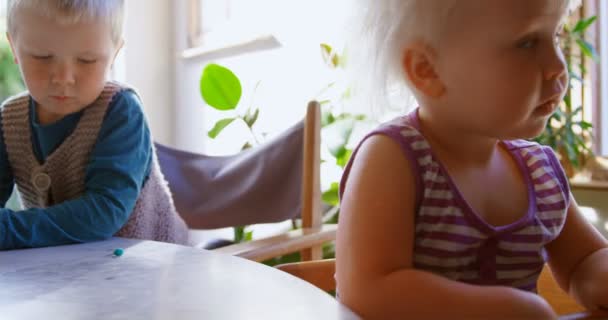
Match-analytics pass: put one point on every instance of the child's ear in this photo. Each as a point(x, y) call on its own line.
point(418, 65)
point(10, 44)
point(118, 48)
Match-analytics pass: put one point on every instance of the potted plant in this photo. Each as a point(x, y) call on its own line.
point(221, 89)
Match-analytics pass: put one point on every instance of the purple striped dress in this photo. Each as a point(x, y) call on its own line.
point(451, 240)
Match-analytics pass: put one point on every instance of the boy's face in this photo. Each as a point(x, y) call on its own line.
point(502, 66)
point(64, 65)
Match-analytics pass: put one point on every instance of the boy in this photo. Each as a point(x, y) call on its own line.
point(77, 146)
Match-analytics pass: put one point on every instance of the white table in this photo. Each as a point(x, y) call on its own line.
point(152, 280)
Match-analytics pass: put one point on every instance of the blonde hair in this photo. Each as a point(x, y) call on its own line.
point(71, 11)
point(385, 28)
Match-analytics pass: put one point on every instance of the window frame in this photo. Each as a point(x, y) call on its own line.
point(196, 47)
point(600, 78)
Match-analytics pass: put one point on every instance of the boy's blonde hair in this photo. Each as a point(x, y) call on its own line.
point(71, 11)
point(385, 28)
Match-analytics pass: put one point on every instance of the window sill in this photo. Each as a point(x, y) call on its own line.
point(587, 184)
point(229, 48)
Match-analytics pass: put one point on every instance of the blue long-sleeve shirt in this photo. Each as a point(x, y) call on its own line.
point(119, 164)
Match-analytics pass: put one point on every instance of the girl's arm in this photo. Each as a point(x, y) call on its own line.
point(375, 273)
point(579, 261)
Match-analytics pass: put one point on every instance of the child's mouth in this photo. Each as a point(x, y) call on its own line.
point(61, 98)
point(546, 108)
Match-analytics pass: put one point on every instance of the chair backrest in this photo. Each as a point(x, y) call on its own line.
point(321, 274)
point(273, 182)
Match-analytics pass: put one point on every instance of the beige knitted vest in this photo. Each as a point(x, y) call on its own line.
point(61, 176)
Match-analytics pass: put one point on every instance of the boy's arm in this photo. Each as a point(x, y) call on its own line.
point(579, 260)
point(120, 161)
point(375, 272)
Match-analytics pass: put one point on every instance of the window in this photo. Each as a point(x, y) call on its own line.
point(297, 27)
point(215, 24)
point(593, 93)
point(274, 48)
point(3, 16)
point(602, 86)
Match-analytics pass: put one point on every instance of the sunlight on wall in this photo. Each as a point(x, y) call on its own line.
point(2, 16)
point(604, 75)
point(590, 214)
point(286, 78)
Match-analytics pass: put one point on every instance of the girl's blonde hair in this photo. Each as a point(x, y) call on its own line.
point(71, 11)
point(383, 29)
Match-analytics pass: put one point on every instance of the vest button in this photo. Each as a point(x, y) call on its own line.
point(41, 181)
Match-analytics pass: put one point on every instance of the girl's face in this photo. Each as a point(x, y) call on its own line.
point(502, 67)
point(64, 65)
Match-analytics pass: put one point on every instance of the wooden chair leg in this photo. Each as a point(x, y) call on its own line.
point(314, 253)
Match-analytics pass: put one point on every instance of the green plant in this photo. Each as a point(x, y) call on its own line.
point(566, 131)
point(10, 77)
point(221, 89)
point(338, 124)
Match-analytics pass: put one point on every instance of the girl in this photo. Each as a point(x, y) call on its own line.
point(446, 211)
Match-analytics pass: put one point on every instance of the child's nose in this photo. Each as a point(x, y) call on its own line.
point(555, 66)
point(63, 74)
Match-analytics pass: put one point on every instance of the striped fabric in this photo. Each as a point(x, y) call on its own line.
point(452, 241)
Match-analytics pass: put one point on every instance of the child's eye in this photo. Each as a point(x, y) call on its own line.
point(527, 43)
point(42, 57)
point(87, 61)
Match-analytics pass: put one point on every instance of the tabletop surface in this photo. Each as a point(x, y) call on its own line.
point(152, 280)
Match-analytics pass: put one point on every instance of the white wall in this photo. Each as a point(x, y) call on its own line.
point(290, 74)
point(289, 69)
point(147, 62)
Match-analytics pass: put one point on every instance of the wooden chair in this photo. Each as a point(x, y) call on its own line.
point(321, 274)
point(276, 181)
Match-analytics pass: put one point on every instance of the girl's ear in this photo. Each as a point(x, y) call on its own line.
point(10, 43)
point(418, 65)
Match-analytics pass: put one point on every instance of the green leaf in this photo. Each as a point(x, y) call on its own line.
point(239, 233)
point(583, 24)
point(338, 151)
point(250, 119)
point(571, 154)
point(327, 118)
point(246, 145)
point(220, 87)
point(337, 135)
point(249, 235)
point(585, 125)
point(343, 159)
point(331, 196)
point(330, 57)
point(219, 126)
point(587, 49)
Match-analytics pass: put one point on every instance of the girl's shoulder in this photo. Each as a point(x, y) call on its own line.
point(404, 128)
point(542, 163)
point(531, 152)
point(521, 144)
